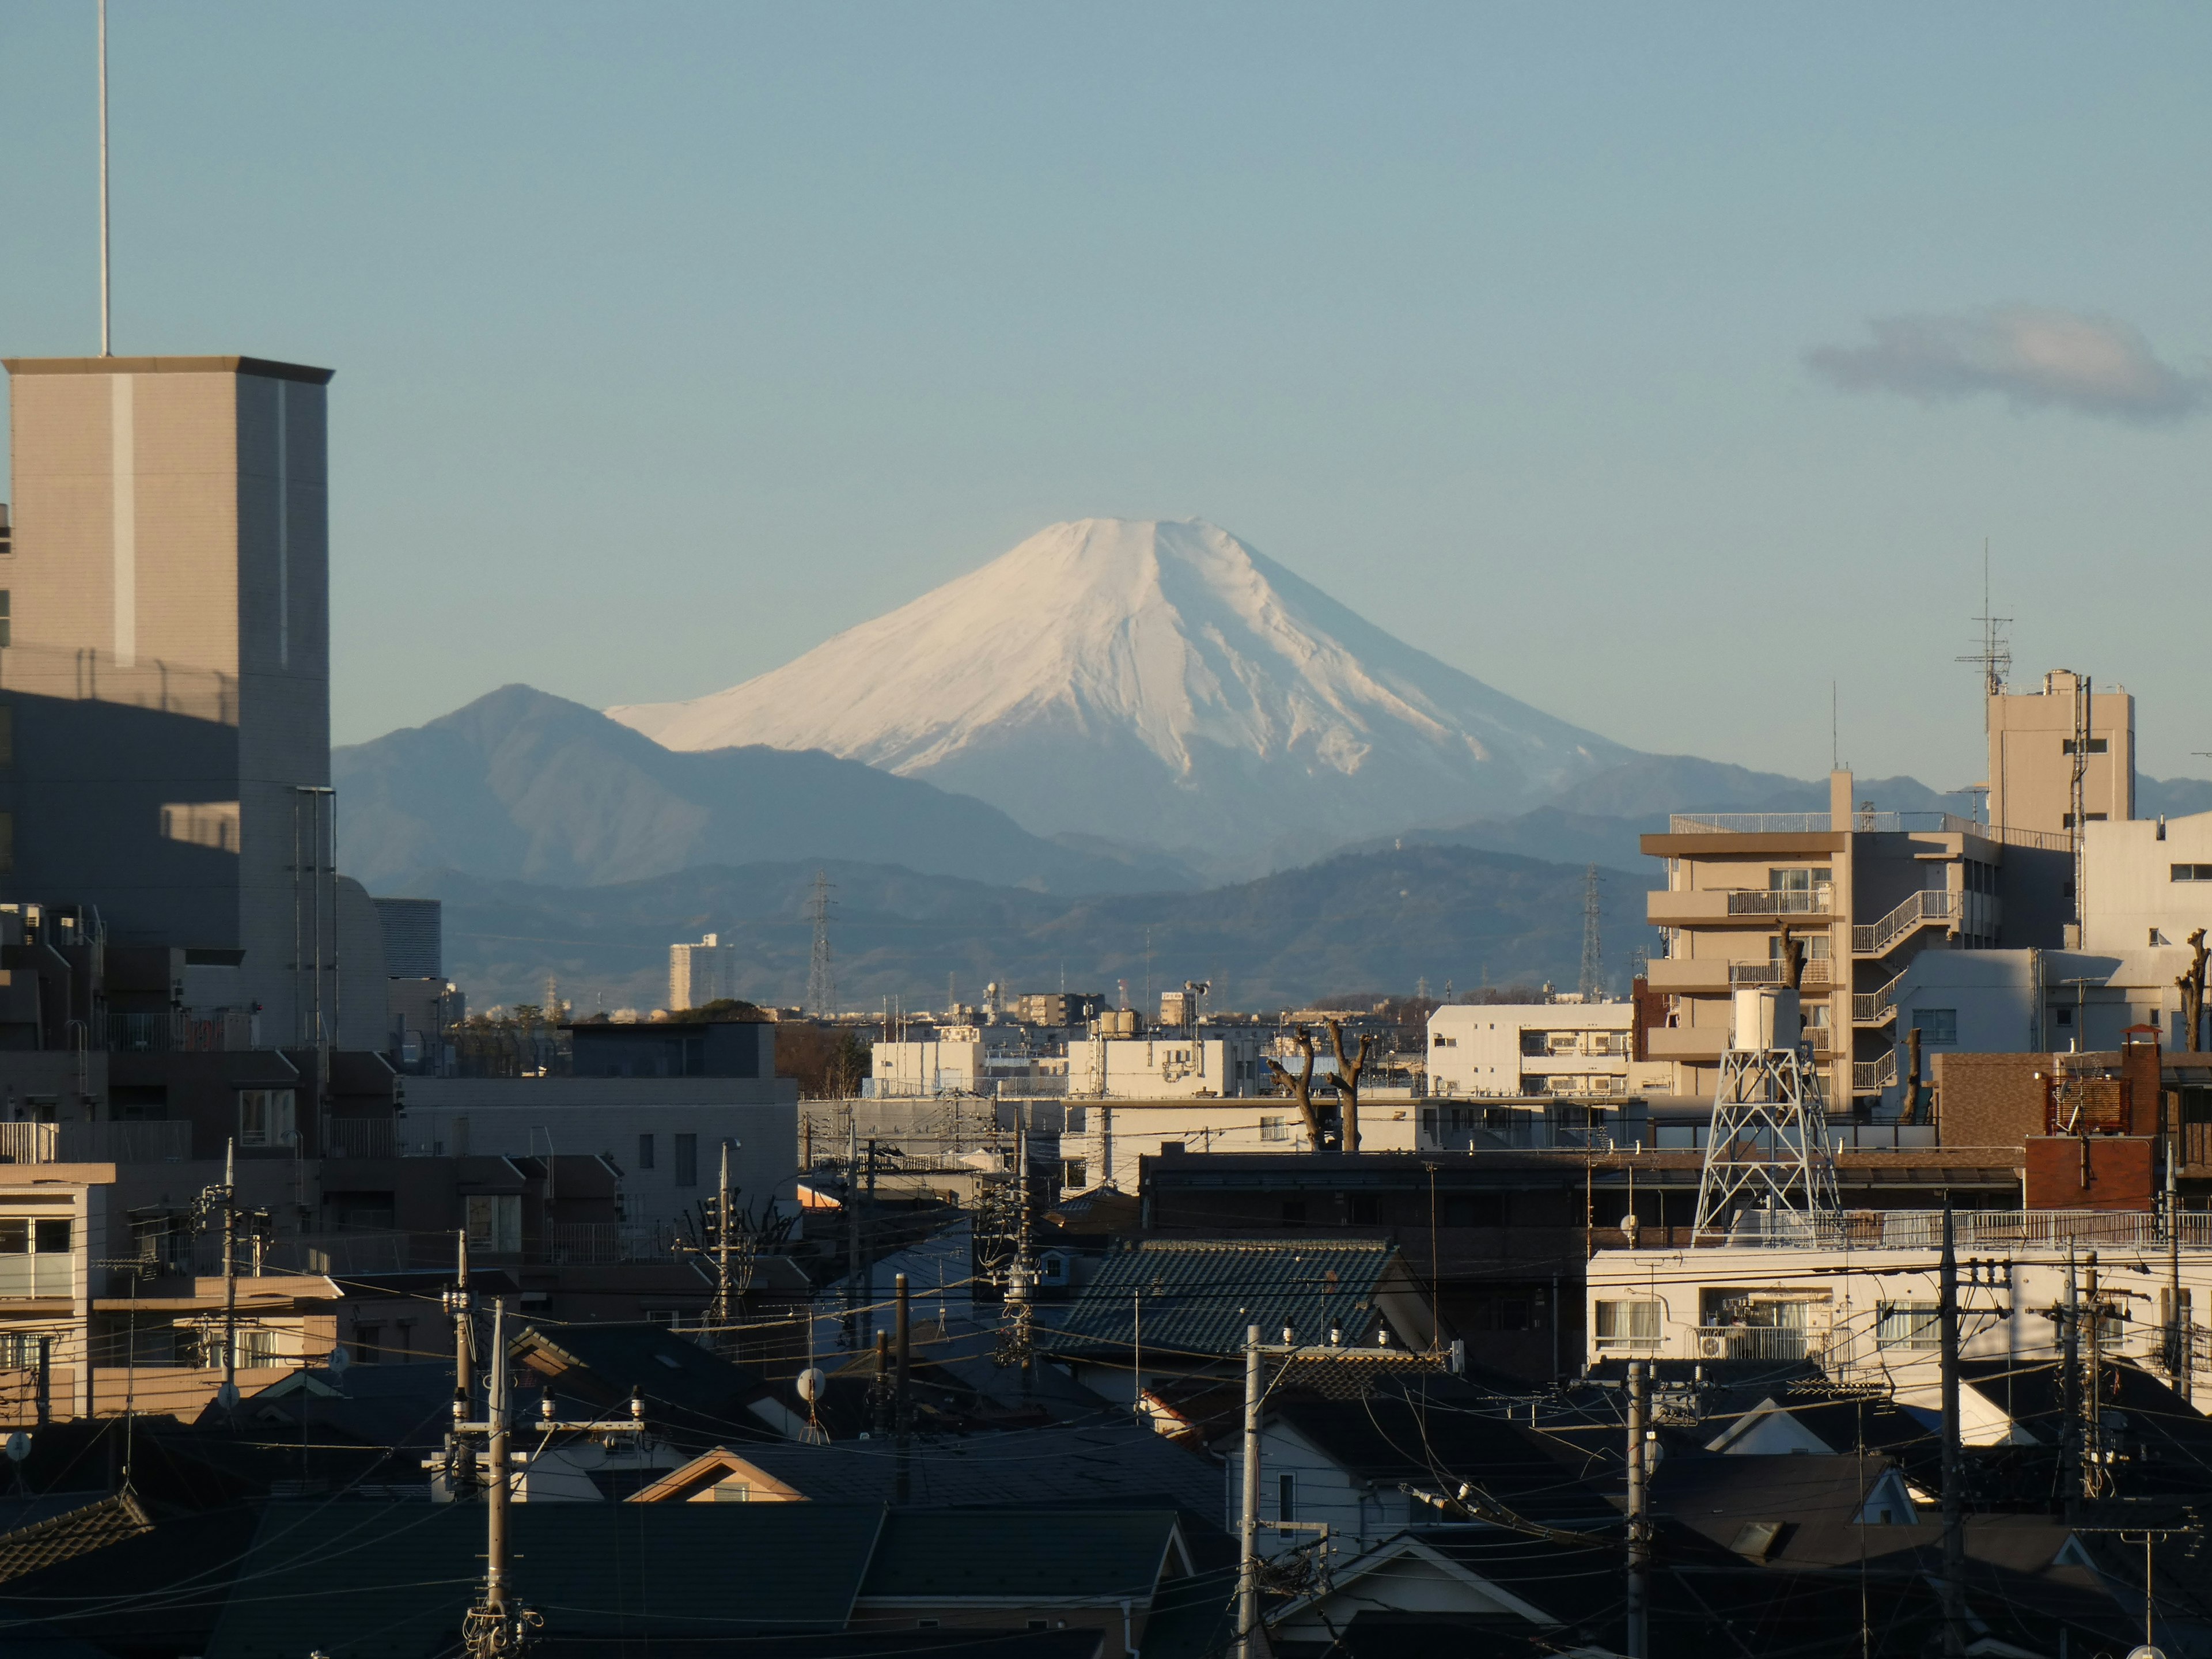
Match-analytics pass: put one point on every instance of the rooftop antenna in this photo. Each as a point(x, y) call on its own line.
point(104, 350)
point(1835, 746)
point(1995, 658)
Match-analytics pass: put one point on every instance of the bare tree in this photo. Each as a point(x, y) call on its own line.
point(1346, 1080)
point(2191, 985)
point(1793, 958)
point(1300, 1088)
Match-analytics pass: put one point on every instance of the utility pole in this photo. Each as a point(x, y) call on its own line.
point(1247, 1531)
point(2069, 1384)
point(902, 1394)
point(460, 1453)
point(499, 1625)
point(218, 1206)
point(722, 1246)
point(1954, 1535)
point(853, 1232)
point(2093, 1425)
point(1638, 1642)
point(2177, 1329)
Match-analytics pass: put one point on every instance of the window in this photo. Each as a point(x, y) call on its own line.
point(369, 1344)
point(1074, 1174)
point(1274, 1128)
point(495, 1222)
point(2096, 747)
point(265, 1117)
point(741, 1492)
point(1363, 1212)
point(1286, 1492)
point(2192, 872)
point(1628, 1324)
point(1798, 881)
point(2062, 1017)
point(1443, 1043)
point(645, 1151)
point(687, 1160)
point(2066, 820)
point(1907, 1325)
point(1936, 1025)
point(256, 1348)
point(7, 621)
point(35, 1256)
point(7, 733)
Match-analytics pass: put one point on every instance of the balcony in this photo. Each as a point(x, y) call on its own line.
point(180, 1033)
point(1691, 1042)
point(95, 1142)
point(360, 1137)
point(1780, 1342)
point(1777, 901)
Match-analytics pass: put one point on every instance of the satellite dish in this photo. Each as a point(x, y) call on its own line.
point(18, 1446)
point(2146, 1651)
point(338, 1361)
point(812, 1382)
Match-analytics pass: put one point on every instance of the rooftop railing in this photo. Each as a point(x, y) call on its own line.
point(95, 1142)
point(1972, 1230)
point(1865, 823)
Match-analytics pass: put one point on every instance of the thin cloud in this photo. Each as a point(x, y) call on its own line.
point(2033, 358)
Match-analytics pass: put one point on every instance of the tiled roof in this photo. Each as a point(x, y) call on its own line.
point(1101, 1555)
point(1197, 1296)
point(73, 1532)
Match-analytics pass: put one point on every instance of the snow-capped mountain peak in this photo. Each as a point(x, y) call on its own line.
point(1151, 681)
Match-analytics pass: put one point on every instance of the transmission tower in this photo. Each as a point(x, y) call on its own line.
point(821, 976)
point(1593, 977)
point(1767, 1155)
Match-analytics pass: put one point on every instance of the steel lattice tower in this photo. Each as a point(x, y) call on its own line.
point(1592, 976)
point(821, 974)
point(1767, 1150)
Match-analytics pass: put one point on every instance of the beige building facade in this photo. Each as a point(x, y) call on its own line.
point(168, 673)
point(2032, 758)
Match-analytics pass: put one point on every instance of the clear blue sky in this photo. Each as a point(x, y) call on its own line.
point(672, 338)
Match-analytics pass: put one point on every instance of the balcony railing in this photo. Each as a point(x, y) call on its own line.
point(575, 1244)
point(1768, 902)
point(1876, 1007)
point(1868, 822)
point(1995, 1230)
point(95, 1142)
point(180, 1033)
point(360, 1137)
point(1871, 1076)
point(1756, 1342)
point(1932, 905)
point(1771, 973)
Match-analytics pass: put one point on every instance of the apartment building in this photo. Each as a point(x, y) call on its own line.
point(2032, 760)
point(700, 974)
point(1537, 1048)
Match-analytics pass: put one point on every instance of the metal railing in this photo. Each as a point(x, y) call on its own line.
point(95, 1142)
point(603, 1244)
point(1871, 1076)
point(1756, 1342)
point(1933, 904)
point(83, 674)
point(360, 1137)
point(1772, 973)
point(180, 1033)
point(1972, 1230)
point(1876, 1007)
point(1868, 822)
point(1774, 901)
point(584, 1243)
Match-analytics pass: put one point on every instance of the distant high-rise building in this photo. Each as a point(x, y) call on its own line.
point(703, 973)
point(166, 675)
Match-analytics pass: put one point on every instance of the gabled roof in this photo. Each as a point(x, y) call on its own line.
point(687, 1389)
point(1405, 1573)
point(970, 1555)
point(1090, 1466)
point(74, 1532)
point(1194, 1297)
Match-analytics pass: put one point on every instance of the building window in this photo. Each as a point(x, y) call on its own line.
point(1363, 1212)
point(1628, 1324)
point(2062, 1017)
point(1287, 1495)
point(257, 1349)
point(1907, 1325)
point(495, 1222)
point(369, 1344)
point(2192, 872)
point(2096, 747)
point(1074, 1174)
point(2066, 820)
point(687, 1160)
point(7, 733)
point(1936, 1025)
point(265, 1117)
point(645, 1151)
point(1274, 1128)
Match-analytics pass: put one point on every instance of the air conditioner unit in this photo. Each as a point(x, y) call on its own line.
point(1712, 1347)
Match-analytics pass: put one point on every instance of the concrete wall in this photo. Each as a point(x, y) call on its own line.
point(2031, 772)
point(1478, 1050)
point(2134, 901)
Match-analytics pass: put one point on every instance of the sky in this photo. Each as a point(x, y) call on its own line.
point(1656, 365)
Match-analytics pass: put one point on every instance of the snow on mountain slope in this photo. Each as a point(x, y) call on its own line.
point(1152, 682)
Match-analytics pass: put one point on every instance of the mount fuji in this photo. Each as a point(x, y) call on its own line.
point(1154, 683)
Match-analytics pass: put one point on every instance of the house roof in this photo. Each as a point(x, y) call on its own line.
point(688, 1390)
point(1016, 1555)
point(363, 1581)
point(1194, 1296)
point(1098, 1464)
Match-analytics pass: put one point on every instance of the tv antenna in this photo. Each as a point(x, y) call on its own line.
point(1995, 657)
point(104, 350)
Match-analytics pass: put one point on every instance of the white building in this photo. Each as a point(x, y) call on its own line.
point(1164, 1066)
point(1865, 1309)
point(703, 973)
point(960, 1060)
point(1538, 1049)
point(1100, 1140)
point(2146, 883)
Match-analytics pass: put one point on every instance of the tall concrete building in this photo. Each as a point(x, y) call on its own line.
point(700, 974)
point(2032, 759)
point(166, 674)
